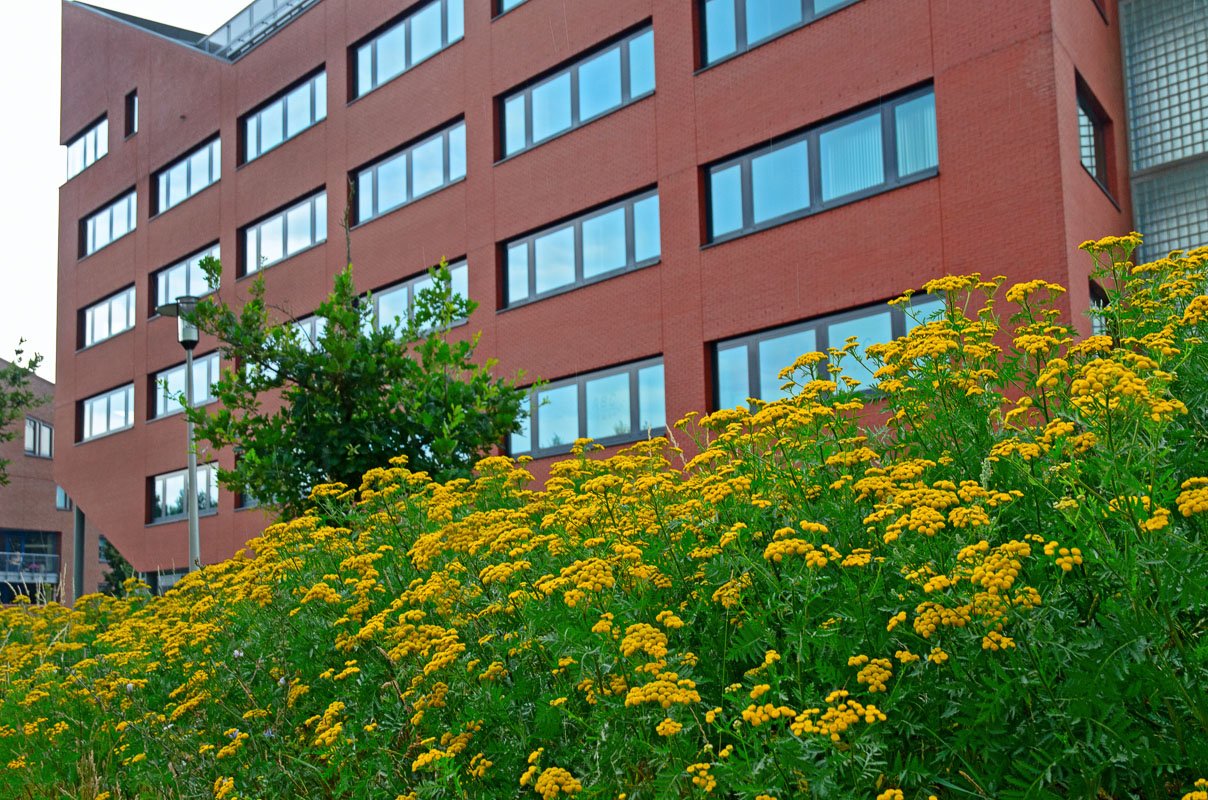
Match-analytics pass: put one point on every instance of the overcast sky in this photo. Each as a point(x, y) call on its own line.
point(33, 165)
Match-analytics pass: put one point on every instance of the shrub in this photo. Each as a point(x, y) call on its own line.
point(996, 591)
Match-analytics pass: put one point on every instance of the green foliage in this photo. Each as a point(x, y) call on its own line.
point(16, 398)
point(986, 581)
point(298, 412)
point(119, 570)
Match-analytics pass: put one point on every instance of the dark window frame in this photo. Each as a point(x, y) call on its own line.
point(636, 434)
point(241, 265)
point(279, 97)
point(107, 207)
point(157, 201)
point(576, 224)
point(89, 129)
point(811, 136)
point(210, 468)
point(570, 67)
point(371, 40)
point(1090, 108)
point(213, 248)
point(498, 9)
point(82, 342)
point(820, 326)
point(131, 113)
point(808, 16)
point(445, 132)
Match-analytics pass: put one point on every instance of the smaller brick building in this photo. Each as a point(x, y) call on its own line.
point(36, 549)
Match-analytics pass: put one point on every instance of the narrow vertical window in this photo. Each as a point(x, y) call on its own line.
point(1093, 125)
point(132, 113)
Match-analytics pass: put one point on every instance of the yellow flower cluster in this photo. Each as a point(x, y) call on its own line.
point(840, 715)
point(554, 781)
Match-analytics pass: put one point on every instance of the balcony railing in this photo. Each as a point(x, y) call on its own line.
point(251, 26)
point(29, 568)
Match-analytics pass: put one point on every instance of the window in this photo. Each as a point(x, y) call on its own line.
point(39, 438)
point(285, 233)
point(132, 113)
point(310, 331)
point(109, 224)
point(107, 412)
point(861, 154)
point(108, 318)
point(1092, 135)
point(623, 404)
point(84, 150)
point(408, 174)
point(1100, 322)
point(62, 501)
point(184, 278)
point(168, 385)
point(505, 6)
point(593, 86)
point(749, 366)
point(168, 493)
point(419, 35)
point(606, 242)
point(181, 180)
point(730, 27)
point(393, 305)
point(285, 117)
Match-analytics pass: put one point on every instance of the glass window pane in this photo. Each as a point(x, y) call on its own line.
point(725, 200)
point(427, 166)
point(608, 406)
point(320, 203)
point(457, 152)
point(780, 182)
point(365, 195)
point(425, 32)
point(174, 495)
point(721, 37)
point(392, 183)
point(923, 311)
point(551, 107)
point(250, 144)
point(641, 64)
point(768, 17)
point(117, 411)
point(915, 124)
point(873, 329)
point(604, 243)
point(460, 281)
point(514, 130)
point(391, 54)
point(178, 184)
point(652, 401)
point(558, 416)
point(201, 381)
point(271, 241)
point(121, 219)
point(852, 157)
point(100, 325)
point(272, 127)
point(44, 441)
point(297, 110)
point(392, 307)
point(733, 377)
point(364, 68)
point(646, 228)
point(776, 354)
point(199, 170)
point(320, 96)
point(31, 436)
point(98, 417)
point(518, 274)
point(209, 481)
point(600, 84)
point(75, 158)
point(555, 259)
point(522, 440)
point(298, 230)
point(457, 20)
point(822, 6)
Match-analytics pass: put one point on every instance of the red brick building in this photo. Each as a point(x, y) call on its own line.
point(652, 201)
point(36, 547)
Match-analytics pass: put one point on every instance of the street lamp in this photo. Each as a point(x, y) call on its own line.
point(187, 335)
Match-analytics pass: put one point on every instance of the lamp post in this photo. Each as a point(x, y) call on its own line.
point(187, 335)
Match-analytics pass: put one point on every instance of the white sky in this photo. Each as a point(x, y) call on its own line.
point(33, 165)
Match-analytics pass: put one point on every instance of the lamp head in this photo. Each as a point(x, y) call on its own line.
point(186, 329)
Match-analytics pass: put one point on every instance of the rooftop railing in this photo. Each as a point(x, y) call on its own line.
point(251, 26)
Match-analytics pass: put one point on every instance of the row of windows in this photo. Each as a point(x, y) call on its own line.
point(107, 412)
point(169, 385)
point(184, 278)
point(39, 438)
point(108, 318)
point(866, 152)
point(395, 304)
point(168, 493)
point(592, 87)
point(285, 233)
point(416, 37)
point(284, 118)
point(108, 224)
point(406, 175)
point(614, 239)
point(85, 149)
point(730, 27)
point(187, 176)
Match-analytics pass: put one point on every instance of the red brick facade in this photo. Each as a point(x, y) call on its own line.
point(1011, 196)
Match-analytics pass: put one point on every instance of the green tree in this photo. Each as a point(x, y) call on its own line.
point(16, 397)
point(119, 570)
point(299, 412)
